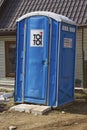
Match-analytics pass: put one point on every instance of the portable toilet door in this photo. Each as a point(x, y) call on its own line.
point(37, 59)
point(38, 38)
point(34, 67)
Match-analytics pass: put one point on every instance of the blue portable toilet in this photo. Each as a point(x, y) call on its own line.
point(45, 62)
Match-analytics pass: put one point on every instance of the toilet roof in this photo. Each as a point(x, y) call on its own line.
point(57, 17)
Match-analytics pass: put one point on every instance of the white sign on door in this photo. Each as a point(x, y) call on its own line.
point(36, 38)
point(67, 43)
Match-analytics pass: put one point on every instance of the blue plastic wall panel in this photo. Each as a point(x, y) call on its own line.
point(66, 64)
point(53, 63)
point(19, 61)
point(37, 47)
point(45, 63)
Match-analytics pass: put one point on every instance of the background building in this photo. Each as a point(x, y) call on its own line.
point(10, 10)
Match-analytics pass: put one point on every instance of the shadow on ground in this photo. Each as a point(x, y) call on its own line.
point(3, 107)
point(77, 107)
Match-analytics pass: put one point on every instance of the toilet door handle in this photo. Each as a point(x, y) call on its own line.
point(45, 62)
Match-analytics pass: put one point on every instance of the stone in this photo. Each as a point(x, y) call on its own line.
point(63, 112)
point(12, 127)
point(34, 109)
point(40, 110)
point(23, 107)
point(76, 123)
point(2, 98)
point(29, 108)
point(8, 95)
point(5, 96)
point(20, 109)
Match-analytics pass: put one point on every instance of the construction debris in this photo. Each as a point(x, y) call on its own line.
point(2, 98)
point(5, 96)
point(12, 127)
point(34, 109)
point(63, 112)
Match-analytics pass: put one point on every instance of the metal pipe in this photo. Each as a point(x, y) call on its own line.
point(58, 64)
point(49, 53)
point(23, 69)
point(83, 55)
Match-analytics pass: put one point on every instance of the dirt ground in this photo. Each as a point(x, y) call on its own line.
point(70, 117)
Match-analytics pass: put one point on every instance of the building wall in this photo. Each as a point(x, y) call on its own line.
point(2, 53)
point(79, 58)
point(85, 43)
point(2, 59)
point(85, 56)
point(79, 55)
